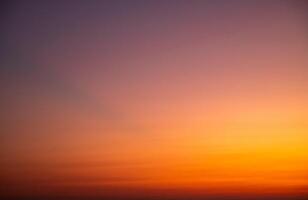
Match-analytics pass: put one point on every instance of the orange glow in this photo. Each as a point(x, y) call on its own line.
point(161, 99)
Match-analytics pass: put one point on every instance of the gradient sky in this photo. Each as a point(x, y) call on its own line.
point(109, 97)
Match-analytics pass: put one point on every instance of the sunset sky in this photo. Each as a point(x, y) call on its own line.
point(154, 98)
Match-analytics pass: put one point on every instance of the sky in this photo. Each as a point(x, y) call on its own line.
point(133, 99)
